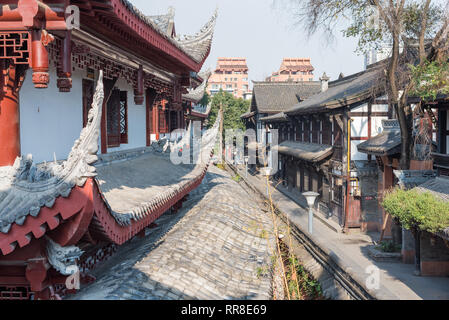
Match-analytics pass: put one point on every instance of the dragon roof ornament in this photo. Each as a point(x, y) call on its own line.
point(63, 259)
point(26, 187)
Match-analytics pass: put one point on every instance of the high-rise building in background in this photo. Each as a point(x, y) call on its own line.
point(231, 75)
point(293, 69)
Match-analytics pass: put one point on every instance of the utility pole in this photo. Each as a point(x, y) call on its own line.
point(221, 133)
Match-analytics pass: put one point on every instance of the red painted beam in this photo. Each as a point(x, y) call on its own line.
point(32, 14)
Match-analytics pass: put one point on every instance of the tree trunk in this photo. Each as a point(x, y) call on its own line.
point(396, 232)
point(405, 118)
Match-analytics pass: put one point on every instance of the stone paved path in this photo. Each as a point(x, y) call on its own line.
point(214, 248)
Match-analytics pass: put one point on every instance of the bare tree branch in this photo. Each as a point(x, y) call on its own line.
point(422, 34)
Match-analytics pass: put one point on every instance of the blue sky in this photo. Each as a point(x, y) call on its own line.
point(261, 32)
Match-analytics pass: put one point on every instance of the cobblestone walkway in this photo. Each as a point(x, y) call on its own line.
point(214, 248)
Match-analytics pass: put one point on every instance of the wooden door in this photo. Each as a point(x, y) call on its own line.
point(354, 213)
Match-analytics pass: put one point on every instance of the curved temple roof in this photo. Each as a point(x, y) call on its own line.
point(26, 188)
point(196, 46)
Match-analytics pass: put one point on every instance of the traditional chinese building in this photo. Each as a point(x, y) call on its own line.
point(318, 141)
point(271, 98)
point(429, 174)
point(84, 194)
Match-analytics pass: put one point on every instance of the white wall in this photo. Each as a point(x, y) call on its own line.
point(50, 121)
point(359, 128)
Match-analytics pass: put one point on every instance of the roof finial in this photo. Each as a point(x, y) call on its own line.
point(324, 82)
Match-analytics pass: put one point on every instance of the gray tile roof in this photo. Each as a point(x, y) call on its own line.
point(342, 92)
point(311, 152)
point(386, 143)
point(274, 97)
point(196, 46)
point(438, 186)
point(278, 117)
point(195, 95)
point(247, 115)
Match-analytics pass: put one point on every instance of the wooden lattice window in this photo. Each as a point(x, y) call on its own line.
point(117, 118)
point(123, 117)
point(16, 46)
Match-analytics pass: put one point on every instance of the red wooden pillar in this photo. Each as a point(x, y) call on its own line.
point(39, 61)
point(156, 120)
point(150, 106)
point(9, 115)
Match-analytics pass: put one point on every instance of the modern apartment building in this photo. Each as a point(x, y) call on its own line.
point(231, 75)
point(293, 69)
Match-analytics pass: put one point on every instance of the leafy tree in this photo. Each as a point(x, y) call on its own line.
point(410, 25)
point(233, 109)
point(416, 210)
point(205, 100)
